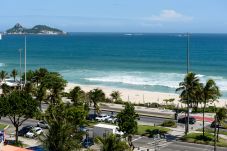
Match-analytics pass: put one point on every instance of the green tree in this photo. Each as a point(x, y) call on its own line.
point(116, 96)
point(96, 96)
point(210, 94)
point(221, 116)
point(18, 106)
point(29, 88)
point(198, 96)
point(13, 74)
point(39, 74)
point(63, 133)
point(77, 96)
point(55, 83)
point(168, 101)
point(29, 75)
point(127, 121)
point(112, 143)
point(188, 89)
point(6, 89)
point(3, 75)
point(41, 95)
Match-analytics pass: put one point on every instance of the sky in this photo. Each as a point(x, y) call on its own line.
point(153, 16)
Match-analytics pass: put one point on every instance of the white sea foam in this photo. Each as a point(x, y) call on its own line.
point(151, 79)
point(170, 80)
point(2, 64)
point(137, 78)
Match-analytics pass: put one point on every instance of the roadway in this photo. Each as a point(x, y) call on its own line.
point(182, 146)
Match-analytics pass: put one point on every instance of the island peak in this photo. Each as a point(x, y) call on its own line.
point(37, 29)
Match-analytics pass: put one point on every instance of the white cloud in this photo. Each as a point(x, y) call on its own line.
point(170, 16)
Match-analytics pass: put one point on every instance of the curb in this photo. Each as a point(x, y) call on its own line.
point(141, 114)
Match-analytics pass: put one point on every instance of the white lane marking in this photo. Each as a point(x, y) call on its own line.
point(137, 139)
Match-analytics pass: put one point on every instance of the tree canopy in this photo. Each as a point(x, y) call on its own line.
point(18, 106)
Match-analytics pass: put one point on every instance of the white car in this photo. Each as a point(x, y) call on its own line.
point(34, 132)
point(102, 117)
point(119, 133)
point(42, 124)
point(111, 119)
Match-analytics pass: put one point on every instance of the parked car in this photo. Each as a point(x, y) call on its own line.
point(91, 117)
point(192, 120)
point(112, 119)
point(83, 129)
point(102, 117)
point(24, 130)
point(42, 124)
point(34, 132)
point(87, 142)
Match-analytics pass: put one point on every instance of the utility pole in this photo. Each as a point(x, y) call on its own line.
point(187, 121)
point(215, 130)
point(25, 61)
point(20, 51)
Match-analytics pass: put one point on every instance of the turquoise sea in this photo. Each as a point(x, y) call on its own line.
point(153, 62)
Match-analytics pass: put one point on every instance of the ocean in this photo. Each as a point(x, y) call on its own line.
point(151, 62)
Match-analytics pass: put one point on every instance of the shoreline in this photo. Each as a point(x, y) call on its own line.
point(137, 96)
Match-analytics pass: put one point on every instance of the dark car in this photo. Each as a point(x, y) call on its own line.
point(24, 130)
point(192, 120)
point(36, 148)
point(87, 142)
point(91, 117)
point(223, 125)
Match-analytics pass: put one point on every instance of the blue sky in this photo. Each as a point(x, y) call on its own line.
point(200, 16)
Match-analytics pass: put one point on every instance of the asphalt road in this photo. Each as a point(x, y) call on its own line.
point(182, 146)
point(145, 119)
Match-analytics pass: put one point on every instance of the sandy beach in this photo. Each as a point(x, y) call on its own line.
point(137, 96)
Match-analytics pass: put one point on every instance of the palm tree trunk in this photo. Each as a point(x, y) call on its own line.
point(218, 132)
point(215, 134)
point(204, 117)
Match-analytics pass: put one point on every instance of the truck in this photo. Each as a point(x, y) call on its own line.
point(102, 130)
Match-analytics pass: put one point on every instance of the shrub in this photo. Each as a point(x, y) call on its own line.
point(170, 107)
point(152, 133)
point(169, 123)
point(154, 105)
point(65, 94)
point(119, 101)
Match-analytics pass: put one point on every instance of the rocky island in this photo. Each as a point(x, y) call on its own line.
point(38, 29)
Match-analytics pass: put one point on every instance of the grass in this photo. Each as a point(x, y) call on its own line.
point(2, 126)
point(210, 130)
point(169, 123)
point(207, 139)
point(142, 129)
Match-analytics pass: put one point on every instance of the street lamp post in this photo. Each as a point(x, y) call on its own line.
point(20, 51)
point(187, 121)
point(25, 61)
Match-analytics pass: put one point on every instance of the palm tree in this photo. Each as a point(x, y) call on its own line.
point(96, 95)
point(221, 116)
point(5, 89)
point(198, 97)
point(116, 96)
point(188, 89)
point(39, 74)
point(210, 94)
point(13, 74)
point(112, 143)
point(59, 136)
point(3, 75)
point(77, 95)
point(40, 95)
point(55, 84)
